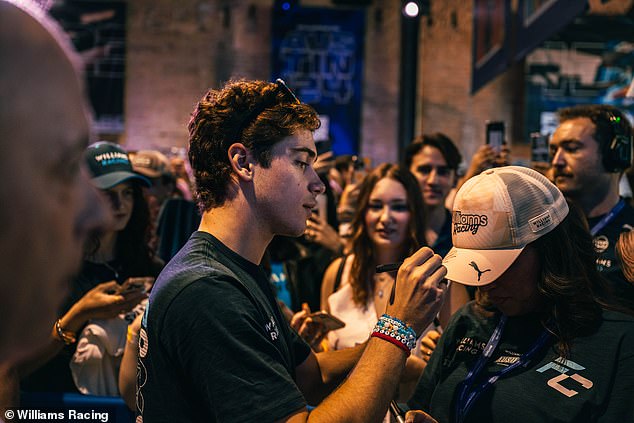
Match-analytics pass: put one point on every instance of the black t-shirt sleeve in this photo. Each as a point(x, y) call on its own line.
point(218, 336)
point(421, 399)
point(301, 349)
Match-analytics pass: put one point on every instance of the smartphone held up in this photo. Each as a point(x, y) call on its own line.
point(495, 135)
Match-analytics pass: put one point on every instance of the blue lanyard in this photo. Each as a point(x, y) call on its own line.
point(467, 393)
point(608, 217)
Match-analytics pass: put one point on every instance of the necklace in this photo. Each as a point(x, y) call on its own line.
point(380, 281)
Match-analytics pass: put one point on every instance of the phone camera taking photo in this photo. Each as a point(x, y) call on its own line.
point(495, 135)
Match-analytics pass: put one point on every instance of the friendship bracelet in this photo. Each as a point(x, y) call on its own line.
point(66, 336)
point(395, 331)
point(394, 341)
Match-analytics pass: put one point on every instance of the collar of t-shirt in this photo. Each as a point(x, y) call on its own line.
point(253, 269)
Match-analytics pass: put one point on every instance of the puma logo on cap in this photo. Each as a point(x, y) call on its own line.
point(480, 272)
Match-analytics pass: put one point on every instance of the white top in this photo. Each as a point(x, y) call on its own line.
point(95, 364)
point(359, 320)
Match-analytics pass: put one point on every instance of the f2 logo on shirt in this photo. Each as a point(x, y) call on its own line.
point(563, 366)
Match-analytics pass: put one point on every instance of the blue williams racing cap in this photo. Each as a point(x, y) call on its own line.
point(109, 165)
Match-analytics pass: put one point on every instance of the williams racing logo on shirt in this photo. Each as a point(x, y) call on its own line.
point(272, 329)
point(468, 222)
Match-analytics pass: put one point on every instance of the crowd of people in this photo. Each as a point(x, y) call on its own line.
point(263, 279)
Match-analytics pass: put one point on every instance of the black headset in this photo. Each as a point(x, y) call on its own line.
point(617, 152)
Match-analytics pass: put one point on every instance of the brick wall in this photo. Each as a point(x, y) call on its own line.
point(380, 88)
point(445, 81)
point(176, 50)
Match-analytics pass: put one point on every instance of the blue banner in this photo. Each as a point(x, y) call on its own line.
point(319, 53)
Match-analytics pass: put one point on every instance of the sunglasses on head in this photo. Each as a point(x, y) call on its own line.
point(282, 85)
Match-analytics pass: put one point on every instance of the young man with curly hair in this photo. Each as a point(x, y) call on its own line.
point(214, 345)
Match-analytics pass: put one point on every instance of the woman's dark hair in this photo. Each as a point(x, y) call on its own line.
point(257, 114)
point(364, 262)
point(570, 283)
point(132, 248)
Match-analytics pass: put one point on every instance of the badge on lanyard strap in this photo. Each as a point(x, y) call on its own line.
point(468, 392)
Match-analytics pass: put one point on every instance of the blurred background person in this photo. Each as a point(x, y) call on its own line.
point(434, 159)
point(590, 149)
point(88, 340)
point(346, 209)
point(183, 181)
point(388, 226)
point(173, 217)
point(48, 206)
point(155, 166)
point(348, 169)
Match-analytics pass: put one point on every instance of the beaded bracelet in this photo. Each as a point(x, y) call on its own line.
point(68, 337)
point(395, 331)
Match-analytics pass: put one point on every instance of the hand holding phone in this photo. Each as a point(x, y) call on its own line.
point(139, 284)
point(329, 321)
point(495, 135)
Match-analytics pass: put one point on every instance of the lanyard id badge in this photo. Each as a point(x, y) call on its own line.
point(608, 217)
point(468, 392)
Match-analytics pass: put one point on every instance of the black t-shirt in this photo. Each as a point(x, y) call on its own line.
point(607, 262)
point(214, 344)
point(595, 383)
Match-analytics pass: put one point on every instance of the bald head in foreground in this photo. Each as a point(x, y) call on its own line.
point(47, 207)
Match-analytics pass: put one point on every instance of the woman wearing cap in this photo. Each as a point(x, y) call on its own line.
point(537, 344)
point(91, 332)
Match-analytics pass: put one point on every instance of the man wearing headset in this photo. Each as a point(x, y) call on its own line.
point(591, 148)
